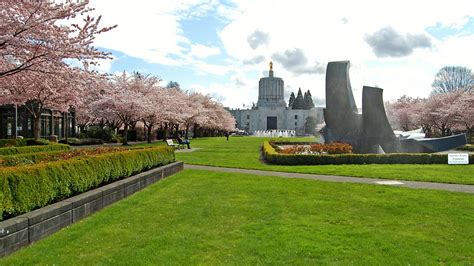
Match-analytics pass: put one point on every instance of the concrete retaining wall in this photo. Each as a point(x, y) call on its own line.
point(27, 228)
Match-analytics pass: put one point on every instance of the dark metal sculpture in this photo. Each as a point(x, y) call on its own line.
point(369, 132)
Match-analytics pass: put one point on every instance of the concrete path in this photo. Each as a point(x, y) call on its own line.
point(343, 179)
point(186, 150)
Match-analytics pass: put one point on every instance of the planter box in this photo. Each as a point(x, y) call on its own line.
point(27, 228)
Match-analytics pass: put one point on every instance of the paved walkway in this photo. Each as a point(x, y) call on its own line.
point(186, 150)
point(343, 179)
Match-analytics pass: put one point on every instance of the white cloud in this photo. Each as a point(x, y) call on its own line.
point(202, 51)
point(335, 31)
point(324, 31)
point(104, 65)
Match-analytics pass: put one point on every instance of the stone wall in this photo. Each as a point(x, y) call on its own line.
point(30, 227)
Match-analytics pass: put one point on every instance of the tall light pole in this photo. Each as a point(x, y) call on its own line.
point(16, 121)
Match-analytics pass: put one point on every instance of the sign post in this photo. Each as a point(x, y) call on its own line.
point(458, 158)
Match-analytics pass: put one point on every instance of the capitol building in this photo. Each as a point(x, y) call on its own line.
point(271, 111)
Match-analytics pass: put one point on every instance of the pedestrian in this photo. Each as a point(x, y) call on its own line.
point(227, 135)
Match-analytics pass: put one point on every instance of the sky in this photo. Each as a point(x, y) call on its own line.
point(223, 47)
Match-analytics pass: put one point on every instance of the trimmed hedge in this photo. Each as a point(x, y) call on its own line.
point(12, 142)
point(79, 142)
point(273, 157)
point(50, 156)
point(28, 187)
point(467, 147)
point(33, 149)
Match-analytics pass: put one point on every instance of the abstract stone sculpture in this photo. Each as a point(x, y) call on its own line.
point(371, 131)
point(343, 122)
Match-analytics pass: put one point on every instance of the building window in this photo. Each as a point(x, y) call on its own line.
point(248, 116)
point(296, 116)
point(296, 124)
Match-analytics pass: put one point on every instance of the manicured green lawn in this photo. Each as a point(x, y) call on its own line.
point(244, 152)
point(201, 217)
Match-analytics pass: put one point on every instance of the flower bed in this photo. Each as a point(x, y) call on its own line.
point(331, 148)
point(272, 156)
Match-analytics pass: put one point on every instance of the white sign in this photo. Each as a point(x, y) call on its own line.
point(458, 158)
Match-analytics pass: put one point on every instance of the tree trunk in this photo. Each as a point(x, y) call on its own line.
point(187, 131)
point(165, 132)
point(176, 133)
point(125, 135)
point(37, 127)
point(149, 134)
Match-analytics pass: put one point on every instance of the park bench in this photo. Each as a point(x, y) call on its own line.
point(171, 143)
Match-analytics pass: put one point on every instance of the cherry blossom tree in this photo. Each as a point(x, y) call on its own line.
point(122, 101)
point(33, 33)
point(85, 111)
point(35, 42)
point(466, 113)
point(401, 113)
point(440, 114)
point(443, 111)
point(39, 91)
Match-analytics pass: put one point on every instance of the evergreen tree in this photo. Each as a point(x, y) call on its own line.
point(308, 100)
point(173, 84)
point(298, 104)
point(291, 100)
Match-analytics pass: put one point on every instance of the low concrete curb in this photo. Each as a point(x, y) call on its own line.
point(30, 227)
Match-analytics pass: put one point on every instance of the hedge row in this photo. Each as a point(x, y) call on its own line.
point(26, 158)
point(22, 142)
point(467, 147)
point(49, 156)
point(273, 157)
point(25, 188)
point(79, 142)
point(33, 149)
point(12, 142)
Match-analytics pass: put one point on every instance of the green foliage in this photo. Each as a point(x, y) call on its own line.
point(467, 147)
point(36, 142)
point(49, 156)
point(299, 103)
point(12, 142)
point(273, 157)
point(79, 142)
point(308, 100)
point(97, 132)
point(33, 149)
point(25, 188)
point(291, 100)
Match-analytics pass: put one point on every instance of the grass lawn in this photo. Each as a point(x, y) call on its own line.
point(244, 152)
point(201, 217)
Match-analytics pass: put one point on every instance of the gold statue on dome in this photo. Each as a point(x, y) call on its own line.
point(271, 66)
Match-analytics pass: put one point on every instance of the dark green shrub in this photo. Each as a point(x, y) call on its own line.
point(98, 132)
point(49, 156)
point(467, 147)
point(28, 187)
point(33, 149)
point(79, 142)
point(273, 157)
point(36, 142)
point(12, 142)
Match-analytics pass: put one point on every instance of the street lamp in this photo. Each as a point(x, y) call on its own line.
point(16, 121)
